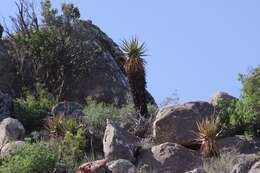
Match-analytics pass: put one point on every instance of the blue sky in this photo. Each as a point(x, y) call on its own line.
point(196, 47)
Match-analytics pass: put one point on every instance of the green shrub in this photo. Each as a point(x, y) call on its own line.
point(97, 114)
point(243, 115)
point(69, 138)
point(230, 117)
point(50, 54)
point(251, 100)
point(30, 158)
point(32, 110)
point(73, 149)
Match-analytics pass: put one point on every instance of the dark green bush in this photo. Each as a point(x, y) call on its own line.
point(69, 138)
point(30, 158)
point(51, 54)
point(73, 149)
point(32, 110)
point(97, 114)
point(251, 100)
point(243, 115)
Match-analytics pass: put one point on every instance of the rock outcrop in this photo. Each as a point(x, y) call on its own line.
point(10, 148)
point(98, 166)
point(238, 143)
point(69, 109)
point(169, 157)
point(197, 170)
point(255, 168)
point(104, 79)
point(11, 130)
point(121, 166)
point(119, 144)
point(178, 124)
point(223, 97)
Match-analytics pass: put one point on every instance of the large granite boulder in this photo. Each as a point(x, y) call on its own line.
point(221, 97)
point(6, 105)
point(9, 148)
point(239, 143)
point(170, 158)
point(98, 166)
point(118, 143)
point(121, 166)
point(105, 80)
point(255, 168)
point(11, 130)
point(178, 124)
point(68, 109)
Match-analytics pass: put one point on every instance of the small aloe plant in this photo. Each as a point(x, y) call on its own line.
point(207, 135)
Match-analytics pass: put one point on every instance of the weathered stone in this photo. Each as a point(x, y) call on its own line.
point(169, 158)
point(10, 148)
point(118, 143)
point(239, 143)
point(121, 166)
point(6, 69)
point(105, 79)
point(197, 170)
point(70, 109)
point(98, 166)
point(223, 97)
point(6, 104)
point(11, 130)
point(178, 124)
point(255, 168)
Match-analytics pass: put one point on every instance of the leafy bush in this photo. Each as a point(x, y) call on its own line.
point(251, 100)
point(51, 53)
point(69, 139)
point(243, 115)
point(97, 114)
point(73, 149)
point(55, 126)
point(230, 117)
point(36, 158)
point(32, 110)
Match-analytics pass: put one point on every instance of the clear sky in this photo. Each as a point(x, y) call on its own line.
point(196, 47)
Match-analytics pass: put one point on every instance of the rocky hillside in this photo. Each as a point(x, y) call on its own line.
point(105, 79)
point(66, 106)
point(172, 146)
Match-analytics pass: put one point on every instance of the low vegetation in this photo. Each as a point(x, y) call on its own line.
point(50, 55)
point(207, 136)
point(224, 163)
point(36, 157)
point(242, 116)
point(32, 110)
